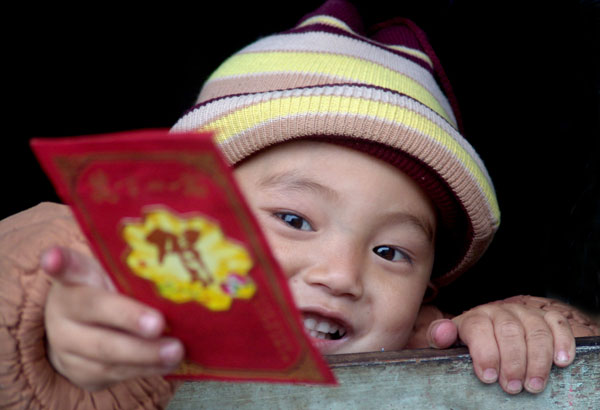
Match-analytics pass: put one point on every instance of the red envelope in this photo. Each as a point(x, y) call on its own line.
point(165, 217)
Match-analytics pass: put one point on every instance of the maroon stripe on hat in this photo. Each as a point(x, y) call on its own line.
point(396, 35)
point(319, 27)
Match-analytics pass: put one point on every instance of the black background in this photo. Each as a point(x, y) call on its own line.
point(526, 75)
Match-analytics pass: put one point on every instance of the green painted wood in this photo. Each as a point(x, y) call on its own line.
point(410, 379)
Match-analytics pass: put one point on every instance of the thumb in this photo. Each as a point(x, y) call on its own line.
point(71, 267)
point(442, 333)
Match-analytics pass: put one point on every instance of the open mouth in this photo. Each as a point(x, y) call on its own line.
point(323, 328)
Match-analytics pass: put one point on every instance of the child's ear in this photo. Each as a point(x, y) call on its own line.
point(430, 293)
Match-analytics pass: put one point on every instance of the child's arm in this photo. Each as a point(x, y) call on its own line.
point(516, 341)
point(27, 378)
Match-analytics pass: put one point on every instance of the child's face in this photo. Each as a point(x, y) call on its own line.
point(354, 235)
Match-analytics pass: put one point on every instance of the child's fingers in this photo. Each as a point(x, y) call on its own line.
point(539, 345)
point(476, 330)
point(442, 333)
point(104, 356)
point(564, 340)
point(94, 375)
point(517, 343)
point(100, 307)
point(71, 267)
point(97, 337)
point(116, 348)
point(510, 337)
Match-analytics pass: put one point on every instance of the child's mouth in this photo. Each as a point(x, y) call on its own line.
point(323, 328)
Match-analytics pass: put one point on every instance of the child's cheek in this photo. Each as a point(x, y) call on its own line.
point(296, 289)
point(399, 311)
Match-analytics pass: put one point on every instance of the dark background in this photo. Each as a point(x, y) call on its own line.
point(526, 74)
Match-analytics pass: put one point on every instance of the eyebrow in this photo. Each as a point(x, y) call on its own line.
point(292, 180)
point(410, 219)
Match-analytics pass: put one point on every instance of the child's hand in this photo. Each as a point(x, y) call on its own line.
point(97, 337)
point(511, 342)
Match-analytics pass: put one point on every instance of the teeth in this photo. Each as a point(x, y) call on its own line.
point(322, 328)
point(310, 323)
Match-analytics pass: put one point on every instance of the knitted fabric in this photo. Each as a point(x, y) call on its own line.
point(385, 94)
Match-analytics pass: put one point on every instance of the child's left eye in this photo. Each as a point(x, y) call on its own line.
point(391, 254)
point(294, 221)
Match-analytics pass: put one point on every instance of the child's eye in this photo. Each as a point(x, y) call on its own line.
point(391, 254)
point(295, 221)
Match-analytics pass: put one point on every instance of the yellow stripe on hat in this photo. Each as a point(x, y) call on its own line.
point(326, 20)
point(236, 122)
point(413, 52)
point(348, 69)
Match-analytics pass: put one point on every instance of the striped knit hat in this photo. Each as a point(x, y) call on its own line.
point(385, 94)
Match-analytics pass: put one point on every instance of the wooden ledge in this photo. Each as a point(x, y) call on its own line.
point(427, 355)
point(408, 379)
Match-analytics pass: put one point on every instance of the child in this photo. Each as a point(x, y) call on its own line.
point(349, 153)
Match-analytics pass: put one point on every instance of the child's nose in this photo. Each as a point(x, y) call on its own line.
point(339, 272)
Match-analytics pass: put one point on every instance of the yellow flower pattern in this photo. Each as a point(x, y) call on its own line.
point(189, 259)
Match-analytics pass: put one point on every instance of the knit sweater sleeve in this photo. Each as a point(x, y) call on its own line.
point(27, 379)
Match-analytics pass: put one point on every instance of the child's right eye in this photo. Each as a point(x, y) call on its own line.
point(295, 221)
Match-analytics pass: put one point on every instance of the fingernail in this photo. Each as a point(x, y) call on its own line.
point(514, 386)
point(562, 356)
point(490, 375)
point(431, 334)
point(535, 384)
point(51, 260)
point(149, 323)
point(170, 353)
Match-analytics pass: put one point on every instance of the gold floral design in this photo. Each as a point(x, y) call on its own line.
point(189, 259)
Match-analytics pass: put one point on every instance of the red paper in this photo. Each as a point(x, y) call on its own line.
point(165, 217)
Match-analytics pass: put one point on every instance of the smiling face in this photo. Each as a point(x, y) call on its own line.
point(354, 235)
